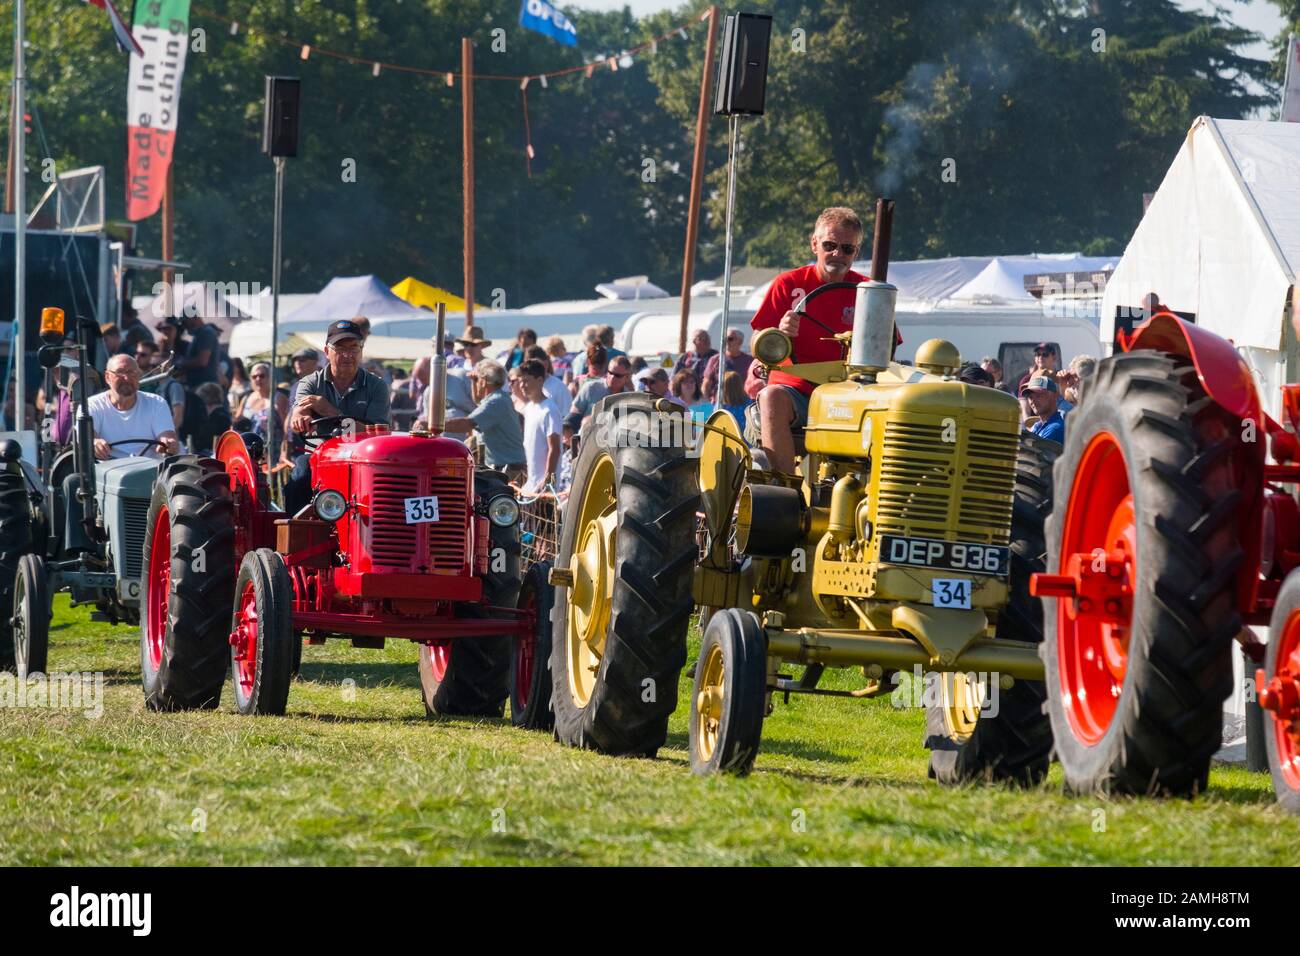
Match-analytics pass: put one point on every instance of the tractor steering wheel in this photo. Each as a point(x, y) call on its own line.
point(799, 310)
point(327, 424)
point(146, 442)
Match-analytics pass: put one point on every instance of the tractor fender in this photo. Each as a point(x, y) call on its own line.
point(1226, 379)
point(254, 518)
point(1222, 372)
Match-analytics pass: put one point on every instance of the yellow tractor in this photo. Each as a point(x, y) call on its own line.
point(903, 546)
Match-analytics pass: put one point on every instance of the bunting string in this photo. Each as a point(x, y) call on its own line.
point(308, 50)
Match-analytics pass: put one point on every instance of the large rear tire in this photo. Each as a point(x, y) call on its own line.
point(187, 587)
point(628, 540)
point(470, 677)
point(1282, 721)
point(1146, 478)
point(15, 541)
point(1015, 743)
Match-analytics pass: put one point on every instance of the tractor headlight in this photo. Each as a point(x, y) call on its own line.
point(771, 346)
point(329, 505)
point(503, 511)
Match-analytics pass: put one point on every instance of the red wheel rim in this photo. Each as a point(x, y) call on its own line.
point(1284, 731)
point(438, 653)
point(160, 583)
point(244, 641)
point(525, 655)
point(1092, 652)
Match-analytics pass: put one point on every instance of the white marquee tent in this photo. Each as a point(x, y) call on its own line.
point(1221, 240)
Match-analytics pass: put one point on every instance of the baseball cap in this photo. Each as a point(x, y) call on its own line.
point(343, 329)
point(1045, 347)
point(1039, 383)
point(305, 355)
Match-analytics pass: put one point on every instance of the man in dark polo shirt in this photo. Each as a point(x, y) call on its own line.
point(342, 387)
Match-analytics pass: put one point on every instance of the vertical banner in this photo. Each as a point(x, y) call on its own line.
point(1291, 85)
point(153, 98)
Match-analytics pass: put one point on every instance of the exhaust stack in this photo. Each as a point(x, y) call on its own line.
point(437, 408)
point(873, 312)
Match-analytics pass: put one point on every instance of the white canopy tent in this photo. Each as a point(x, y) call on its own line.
point(957, 283)
point(1221, 240)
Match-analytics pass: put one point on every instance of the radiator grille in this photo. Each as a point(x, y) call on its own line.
point(392, 540)
point(135, 516)
point(930, 487)
point(441, 545)
point(449, 536)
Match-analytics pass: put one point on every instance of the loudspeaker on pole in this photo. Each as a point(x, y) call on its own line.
point(280, 123)
point(742, 70)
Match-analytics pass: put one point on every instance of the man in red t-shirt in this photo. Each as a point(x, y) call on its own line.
point(783, 403)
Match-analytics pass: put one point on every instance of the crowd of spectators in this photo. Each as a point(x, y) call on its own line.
point(526, 407)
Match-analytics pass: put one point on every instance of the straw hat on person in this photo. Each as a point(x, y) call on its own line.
point(474, 336)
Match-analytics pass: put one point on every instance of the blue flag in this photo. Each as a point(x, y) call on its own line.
point(541, 16)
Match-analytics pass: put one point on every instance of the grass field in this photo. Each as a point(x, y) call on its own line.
point(356, 775)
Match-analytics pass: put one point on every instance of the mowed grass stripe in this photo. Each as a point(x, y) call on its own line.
point(355, 774)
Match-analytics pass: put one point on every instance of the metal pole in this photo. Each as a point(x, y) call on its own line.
point(9, 165)
point(697, 180)
point(275, 308)
point(467, 168)
point(169, 274)
point(1286, 77)
point(20, 222)
point(731, 205)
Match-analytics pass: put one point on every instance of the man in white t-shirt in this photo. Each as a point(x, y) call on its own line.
point(541, 428)
point(124, 413)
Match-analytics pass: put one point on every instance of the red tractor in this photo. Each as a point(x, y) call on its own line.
point(1171, 533)
point(403, 538)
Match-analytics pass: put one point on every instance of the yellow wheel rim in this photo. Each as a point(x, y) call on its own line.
point(962, 699)
point(592, 591)
point(708, 702)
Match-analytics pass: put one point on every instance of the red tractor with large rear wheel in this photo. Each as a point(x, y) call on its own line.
point(1170, 535)
point(403, 538)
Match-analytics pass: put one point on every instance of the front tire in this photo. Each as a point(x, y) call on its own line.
point(530, 674)
point(187, 585)
point(261, 651)
point(730, 695)
point(31, 620)
point(1282, 719)
point(628, 541)
point(1015, 744)
point(15, 541)
point(1148, 490)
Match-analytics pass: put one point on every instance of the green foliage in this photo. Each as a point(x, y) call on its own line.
point(1051, 141)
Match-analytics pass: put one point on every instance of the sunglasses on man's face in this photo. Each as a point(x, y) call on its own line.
point(619, 374)
point(845, 248)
